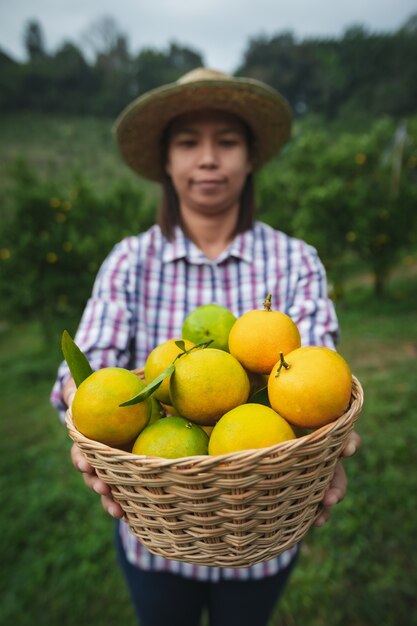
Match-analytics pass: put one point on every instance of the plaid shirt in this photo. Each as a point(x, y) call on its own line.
point(147, 286)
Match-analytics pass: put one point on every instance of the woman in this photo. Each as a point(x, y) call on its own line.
point(202, 138)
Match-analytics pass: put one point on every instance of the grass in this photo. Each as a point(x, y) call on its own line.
point(358, 569)
point(56, 542)
point(58, 564)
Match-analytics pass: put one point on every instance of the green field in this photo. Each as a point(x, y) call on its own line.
point(58, 564)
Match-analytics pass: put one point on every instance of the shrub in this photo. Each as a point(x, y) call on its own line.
point(53, 245)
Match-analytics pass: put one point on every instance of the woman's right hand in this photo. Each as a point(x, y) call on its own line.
point(94, 483)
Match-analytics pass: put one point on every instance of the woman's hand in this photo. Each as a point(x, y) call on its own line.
point(337, 488)
point(94, 483)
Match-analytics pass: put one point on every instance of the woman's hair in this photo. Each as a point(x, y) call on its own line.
point(169, 216)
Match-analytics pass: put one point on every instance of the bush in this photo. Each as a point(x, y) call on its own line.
point(53, 245)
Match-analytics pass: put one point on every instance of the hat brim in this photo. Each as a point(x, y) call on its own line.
point(139, 128)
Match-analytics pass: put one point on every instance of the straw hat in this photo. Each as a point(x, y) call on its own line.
point(139, 128)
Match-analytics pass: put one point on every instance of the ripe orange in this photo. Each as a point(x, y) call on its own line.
point(158, 360)
point(258, 337)
point(171, 438)
point(96, 411)
point(312, 389)
point(209, 321)
point(247, 427)
point(206, 384)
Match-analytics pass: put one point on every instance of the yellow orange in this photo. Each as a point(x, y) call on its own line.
point(257, 338)
point(247, 427)
point(158, 360)
point(96, 411)
point(312, 388)
point(206, 384)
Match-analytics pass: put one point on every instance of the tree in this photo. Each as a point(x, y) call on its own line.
point(34, 41)
point(153, 68)
point(102, 36)
point(350, 196)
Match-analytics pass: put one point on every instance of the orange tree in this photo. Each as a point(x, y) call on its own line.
point(384, 195)
point(54, 242)
point(354, 194)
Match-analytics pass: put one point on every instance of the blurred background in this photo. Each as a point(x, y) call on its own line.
point(347, 183)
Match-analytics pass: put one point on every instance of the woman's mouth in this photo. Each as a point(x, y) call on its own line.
point(208, 183)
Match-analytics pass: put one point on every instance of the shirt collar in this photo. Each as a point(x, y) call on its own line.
point(181, 247)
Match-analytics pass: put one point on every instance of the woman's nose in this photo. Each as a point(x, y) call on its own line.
point(208, 155)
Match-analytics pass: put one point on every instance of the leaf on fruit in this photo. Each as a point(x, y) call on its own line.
point(260, 396)
point(180, 344)
point(76, 360)
point(149, 389)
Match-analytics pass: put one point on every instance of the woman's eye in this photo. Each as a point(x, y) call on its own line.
point(186, 143)
point(229, 143)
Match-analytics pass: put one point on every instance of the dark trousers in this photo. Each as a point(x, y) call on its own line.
point(165, 599)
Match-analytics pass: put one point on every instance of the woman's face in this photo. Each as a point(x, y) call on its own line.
point(208, 161)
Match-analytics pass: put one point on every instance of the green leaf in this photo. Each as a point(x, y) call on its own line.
point(149, 389)
point(180, 344)
point(76, 360)
point(260, 396)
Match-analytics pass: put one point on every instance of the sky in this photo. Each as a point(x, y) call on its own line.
point(219, 29)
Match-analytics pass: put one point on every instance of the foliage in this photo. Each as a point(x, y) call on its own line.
point(55, 243)
point(359, 73)
point(354, 195)
point(58, 564)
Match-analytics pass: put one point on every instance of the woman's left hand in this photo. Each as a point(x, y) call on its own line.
point(337, 488)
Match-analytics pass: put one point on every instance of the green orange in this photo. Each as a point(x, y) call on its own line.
point(171, 437)
point(209, 322)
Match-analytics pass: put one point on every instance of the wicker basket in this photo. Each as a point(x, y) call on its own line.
point(233, 510)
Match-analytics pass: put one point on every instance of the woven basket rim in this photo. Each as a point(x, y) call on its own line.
point(283, 448)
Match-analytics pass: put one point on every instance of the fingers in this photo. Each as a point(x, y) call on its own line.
point(95, 483)
point(334, 494)
point(79, 461)
point(338, 485)
point(352, 445)
point(322, 517)
point(139, 372)
point(337, 488)
point(68, 392)
point(111, 507)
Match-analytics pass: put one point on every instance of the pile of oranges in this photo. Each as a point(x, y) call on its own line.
point(259, 388)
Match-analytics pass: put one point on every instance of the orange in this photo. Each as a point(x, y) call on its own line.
point(171, 438)
point(247, 427)
point(158, 360)
point(258, 337)
point(312, 388)
point(96, 411)
point(209, 321)
point(207, 383)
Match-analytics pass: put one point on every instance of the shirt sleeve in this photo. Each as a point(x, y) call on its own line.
point(106, 330)
point(311, 308)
